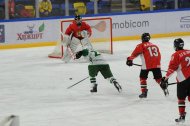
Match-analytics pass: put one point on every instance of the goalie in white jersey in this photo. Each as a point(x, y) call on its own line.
point(77, 33)
point(97, 64)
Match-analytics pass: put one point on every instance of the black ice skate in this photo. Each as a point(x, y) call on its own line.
point(144, 94)
point(181, 119)
point(117, 86)
point(94, 89)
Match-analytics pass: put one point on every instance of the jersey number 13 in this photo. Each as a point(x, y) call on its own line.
point(153, 51)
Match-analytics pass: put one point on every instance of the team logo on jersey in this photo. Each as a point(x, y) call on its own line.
point(32, 32)
point(2, 33)
point(185, 22)
point(79, 34)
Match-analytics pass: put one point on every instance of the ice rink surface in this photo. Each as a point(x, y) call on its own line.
point(34, 87)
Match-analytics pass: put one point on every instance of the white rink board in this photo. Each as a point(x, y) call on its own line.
point(154, 23)
point(123, 25)
point(29, 31)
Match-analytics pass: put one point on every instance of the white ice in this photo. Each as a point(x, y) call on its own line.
point(34, 87)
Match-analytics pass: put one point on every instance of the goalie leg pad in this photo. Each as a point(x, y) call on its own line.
point(74, 43)
point(70, 51)
point(66, 40)
point(67, 56)
point(86, 44)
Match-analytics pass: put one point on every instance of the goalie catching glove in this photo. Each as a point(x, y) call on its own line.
point(85, 34)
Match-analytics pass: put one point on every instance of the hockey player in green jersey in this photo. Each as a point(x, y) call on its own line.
point(97, 64)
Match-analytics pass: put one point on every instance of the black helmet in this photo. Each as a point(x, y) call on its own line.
point(145, 37)
point(178, 44)
point(78, 20)
point(78, 17)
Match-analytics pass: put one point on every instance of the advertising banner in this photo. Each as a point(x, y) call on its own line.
point(122, 25)
point(154, 23)
point(30, 31)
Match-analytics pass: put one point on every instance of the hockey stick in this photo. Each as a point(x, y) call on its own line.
point(77, 82)
point(172, 83)
point(136, 64)
point(101, 26)
point(166, 92)
point(141, 65)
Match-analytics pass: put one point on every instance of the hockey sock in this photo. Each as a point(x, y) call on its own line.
point(143, 84)
point(181, 106)
point(93, 80)
point(158, 80)
point(189, 98)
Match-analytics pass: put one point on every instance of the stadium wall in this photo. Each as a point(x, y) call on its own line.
point(46, 32)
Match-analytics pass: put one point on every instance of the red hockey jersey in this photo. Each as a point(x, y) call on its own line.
point(180, 62)
point(76, 30)
point(149, 53)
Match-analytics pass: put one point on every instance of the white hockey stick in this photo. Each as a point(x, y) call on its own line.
point(77, 82)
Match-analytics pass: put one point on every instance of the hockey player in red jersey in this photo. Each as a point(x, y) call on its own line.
point(180, 62)
point(151, 58)
point(78, 32)
point(76, 27)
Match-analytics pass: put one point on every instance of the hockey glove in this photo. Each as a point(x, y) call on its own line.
point(164, 83)
point(129, 62)
point(78, 54)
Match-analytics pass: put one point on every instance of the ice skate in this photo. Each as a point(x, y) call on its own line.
point(94, 89)
point(181, 119)
point(144, 94)
point(117, 86)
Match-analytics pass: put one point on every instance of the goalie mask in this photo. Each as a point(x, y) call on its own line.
point(178, 44)
point(78, 20)
point(145, 37)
